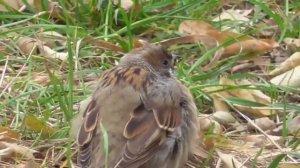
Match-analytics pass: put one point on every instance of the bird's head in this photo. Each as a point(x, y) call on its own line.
point(153, 57)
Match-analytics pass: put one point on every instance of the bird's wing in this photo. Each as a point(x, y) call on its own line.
point(128, 76)
point(147, 130)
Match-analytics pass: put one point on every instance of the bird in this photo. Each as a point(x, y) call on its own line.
point(139, 115)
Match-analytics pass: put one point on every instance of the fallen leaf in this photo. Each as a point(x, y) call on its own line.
point(294, 126)
point(195, 27)
point(250, 48)
point(52, 38)
point(260, 140)
point(290, 78)
point(49, 53)
point(242, 44)
point(231, 14)
point(229, 160)
point(240, 93)
point(207, 41)
point(53, 8)
point(32, 123)
point(249, 95)
point(206, 123)
point(40, 78)
point(258, 95)
point(264, 123)
point(288, 64)
point(103, 44)
point(223, 117)
point(236, 15)
point(292, 43)
point(8, 135)
point(7, 150)
point(219, 104)
point(28, 164)
point(28, 45)
point(289, 165)
point(243, 67)
point(8, 5)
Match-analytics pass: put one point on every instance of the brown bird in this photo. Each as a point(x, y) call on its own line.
point(144, 116)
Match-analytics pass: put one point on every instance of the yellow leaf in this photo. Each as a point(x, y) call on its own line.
point(38, 126)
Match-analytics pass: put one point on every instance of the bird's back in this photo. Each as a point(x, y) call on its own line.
point(113, 103)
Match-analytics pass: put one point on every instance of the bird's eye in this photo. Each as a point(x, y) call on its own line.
point(166, 62)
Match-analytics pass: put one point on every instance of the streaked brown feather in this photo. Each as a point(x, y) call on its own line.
point(167, 119)
point(90, 122)
point(144, 138)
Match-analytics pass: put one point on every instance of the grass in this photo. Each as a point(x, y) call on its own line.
point(56, 101)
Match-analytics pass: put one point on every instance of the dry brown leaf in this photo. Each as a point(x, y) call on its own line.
point(289, 165)
point(32, 123)
point(249, 95)
point(256, 111)
point(258, 95)
point(290, 78)
point(288, 64)
point(218, 98)
point(49, 53)
point(41, 79)
point(7, 150)
point(103, 44)
point(3, 49)
point(28, 45)
point(6, 134)
point(264, 123)
point(243, 67)
point(51, 38)
point(260, 140)
point(192, 27)
point(223, 117)
point(52, 6)
point(19, 5)
point(240, 93)
point(231, 14)
point(229, 160)
point(244, 44)
point(203, 39)
point(7, 5)
point(239, 16)
point(219, 103)
point(294, 126)
point(195, 27)
point(251, 47)
point(54, 9)
point(292, 43)
point(206, 122)
point(28, 164)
